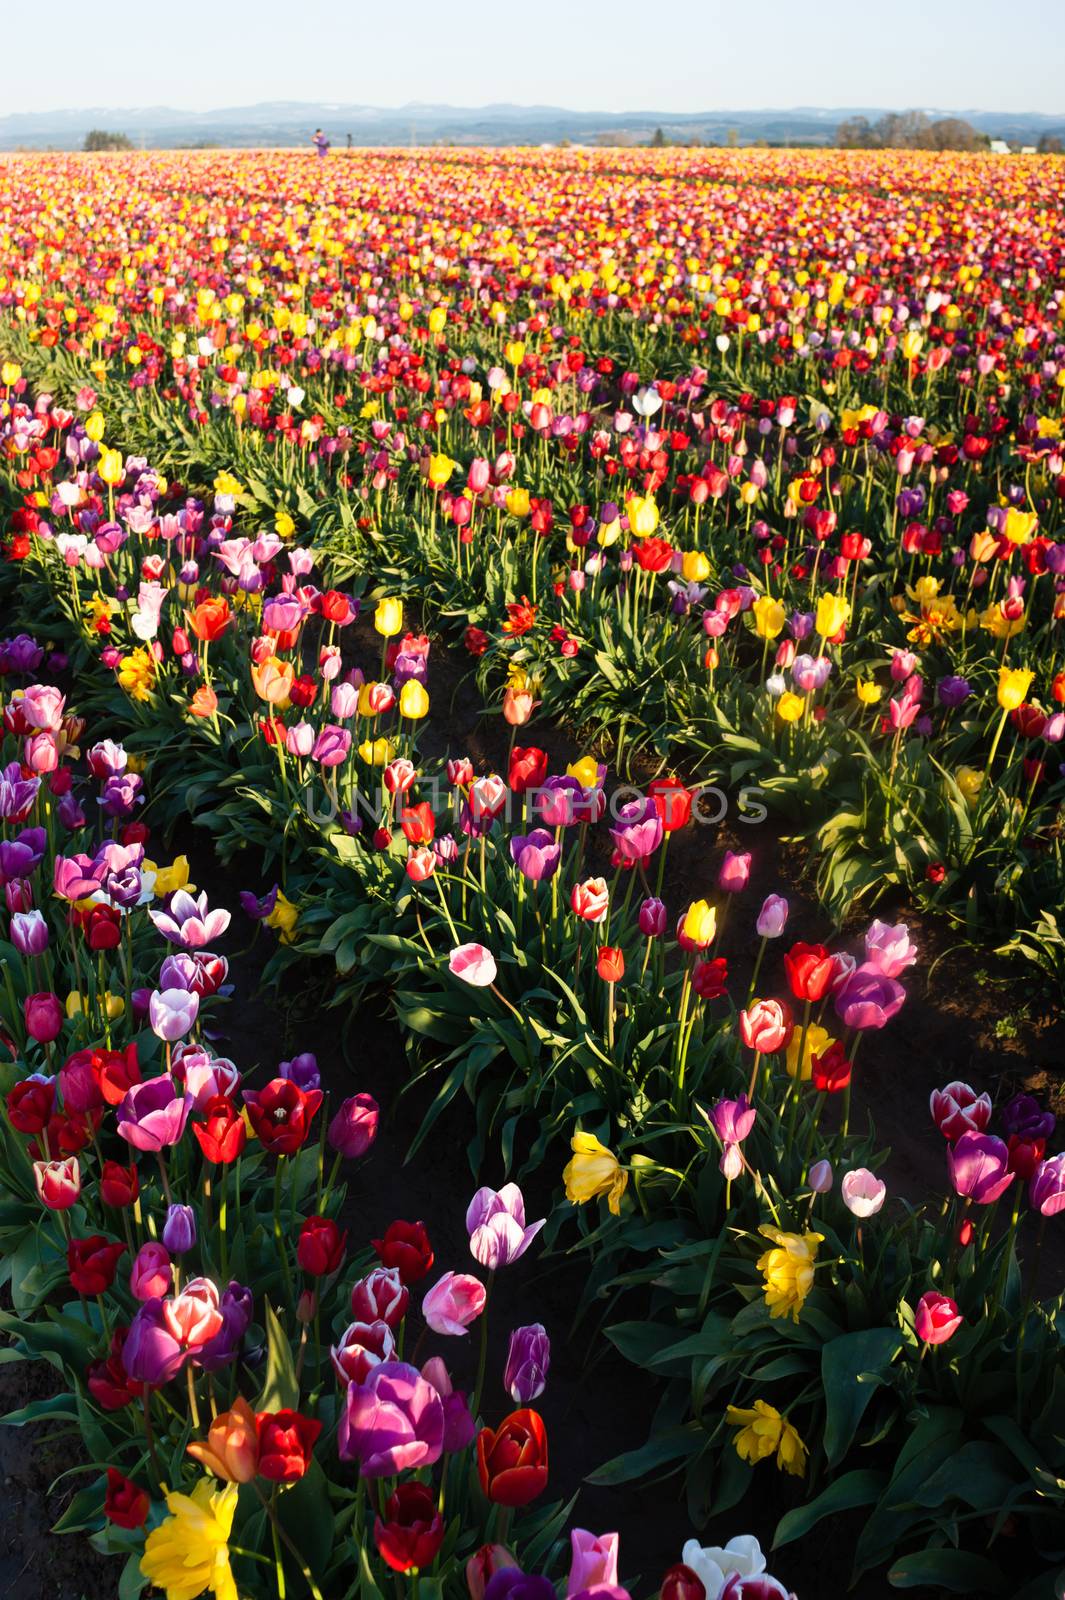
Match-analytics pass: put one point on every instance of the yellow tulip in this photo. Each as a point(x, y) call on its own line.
point(790, 706)
point(518, 502)
point(970, 781)
point(586, 772)
point(700, 923)
point(388, 618)
point(832, 613)
point(94, 427)
point(642, 514)
point(437, 319)
point(413, 700)
point(110, 468)
point(440, 469)
point(788, 1270)
point(376, 752)
point(694, 566)
point(283, 918)
point(1020, 525)
point(114, 1005)
point(1013, 685)
point(769, 617)
point(868, 693)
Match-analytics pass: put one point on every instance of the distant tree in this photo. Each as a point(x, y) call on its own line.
point(952, 133)
point(659, 140)
point(1051, 144)
point(732, 138)
point(98, 139)
point(856, 134)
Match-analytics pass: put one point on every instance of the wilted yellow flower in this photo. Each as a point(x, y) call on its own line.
point(388, 617)
point(1013, 685)
point(594, 1170)
point(764, 1432)
point(969, 781)
point(189, 1552)
point(788, 1269)
point(284, 526)
point(225, 483)
point(284, 918)
point(769, 616)
point(136, 674)
point(832, 613)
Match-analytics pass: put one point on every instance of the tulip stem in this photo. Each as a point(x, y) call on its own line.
point(482, 1359)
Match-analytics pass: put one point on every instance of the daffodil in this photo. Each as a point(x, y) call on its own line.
point(594, 1170)
point(136, 674)
point(763, 1433)
point(788, 1269)
point(284, 918)
point(188, 1553)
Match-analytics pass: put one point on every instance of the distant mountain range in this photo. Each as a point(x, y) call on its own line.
point(292, 122)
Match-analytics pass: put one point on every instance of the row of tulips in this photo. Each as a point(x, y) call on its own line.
point(253, 1393)
point(480, 900)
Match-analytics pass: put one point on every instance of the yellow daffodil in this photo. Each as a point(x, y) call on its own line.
point(283, 918)
point(188, 1553)
point(788, 1269)
point(763, 1433)
point(136, 674)
point(594, 1170)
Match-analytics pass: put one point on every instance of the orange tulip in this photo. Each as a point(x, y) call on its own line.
point(211, 618)
point(204, 702)
point(231, 1448)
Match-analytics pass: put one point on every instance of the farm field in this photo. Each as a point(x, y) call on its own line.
point(532, 832)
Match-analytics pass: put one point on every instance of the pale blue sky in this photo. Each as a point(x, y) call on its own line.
point(603, 55)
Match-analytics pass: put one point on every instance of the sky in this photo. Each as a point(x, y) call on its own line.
point(684, 55)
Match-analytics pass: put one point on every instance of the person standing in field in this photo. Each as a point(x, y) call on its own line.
point(321, 144)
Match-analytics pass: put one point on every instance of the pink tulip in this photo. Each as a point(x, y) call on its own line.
point(473, 964)
point(936, 1318)
point(453, 1303)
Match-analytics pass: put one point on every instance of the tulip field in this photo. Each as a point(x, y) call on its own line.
point(532, 801)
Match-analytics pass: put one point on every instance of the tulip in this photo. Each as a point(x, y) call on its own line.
point(354, 1127)
point(179, 1229)
point(43, 1015)
point(863, 1193)
point(936, 1318)
point(453, 1303)
point(698, 925)
point(125, 1503)
point(594, 1170)
point(593, 1561)
point(889, 949)
point(773, 916)
point(362, 1346)
point(766, 1026)
point(381, 1295)
point(231, 1448)
point(151, 1276)
point(411, 1531)
point(388, 618)
point(153, 1114)
point(285, 1442)
point(91, 1263)
point(979, 1167)
point(512, 1459)
point(152, 1354)
point(590, 900)
point(405, 1246)
point(528, 1360)
point(958, 1109)
point(321, 1247)
point(820, 1177)
point(1046, 1191)
point(867, 999)
point(483, 1566)
point(495, 1222)
point(473, 964)
point(392, 1423)
point(172, 1013)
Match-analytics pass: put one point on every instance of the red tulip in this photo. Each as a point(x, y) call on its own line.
point(412, 1529)
point(512, 1459)
point(286, 1440)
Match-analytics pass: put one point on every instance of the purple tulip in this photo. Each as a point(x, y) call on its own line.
point(392, 1423)
point(121, 795)
point(528, 1360)
point(354, 1127)
point(510, 1583)
point(179, 1229)
point(331, 746)
point(1025, 1116)
point(637, 832)
point(17, 793)
point(1046, 1191)
point(153, 1114)
point(979, 1167)
point(187, 921)
point(29, 933)
point(236, 1306)
point(732, 1120)
point(302, 1070)
point(652, 918)
point(495, 1222)
point(77, 877)
point(773, 917)
point(868, 999)
point(257, 908)
point(889, 950)
point(953, 691)
point(535, 854)
point(151, 1354)
point(734, 873)
point(172, 1013)
point(459, 1426)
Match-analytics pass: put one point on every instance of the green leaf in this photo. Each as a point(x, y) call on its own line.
point(132, 1581)
point(664, 1449)
point(860, 1488)
point(281, 1391)
point(852, 1365)
point(956, 1571)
